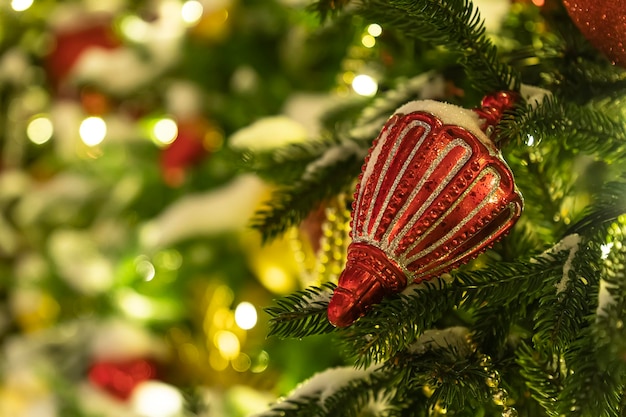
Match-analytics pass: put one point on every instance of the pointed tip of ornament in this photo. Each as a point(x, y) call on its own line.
point(343, 309)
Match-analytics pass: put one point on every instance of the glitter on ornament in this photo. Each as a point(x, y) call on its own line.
point(434, 193)
point(603, 23)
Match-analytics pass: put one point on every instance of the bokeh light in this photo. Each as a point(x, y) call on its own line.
point(157, 399)
point(368, 41)
point(227, 343)
point(364, 85)
point(245, 315)
point(165, 131)
point(375, 30)
point(191, 11)
point(92, 131)
point(40, 130)
point(21, 5)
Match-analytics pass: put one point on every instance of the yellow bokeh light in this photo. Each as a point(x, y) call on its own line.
point(227, 343)
point(40, 130)
point(375, 30)
point(217, 361)
point(191, 11)
point(165, 131)
point(368, 41)
point(21, 5)
point(92, 131)
point(245, 315)
point(276, 279)
point(364, 85)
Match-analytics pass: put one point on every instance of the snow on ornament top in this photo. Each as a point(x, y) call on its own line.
point(434, 192)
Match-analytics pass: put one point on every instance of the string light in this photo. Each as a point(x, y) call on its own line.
point(364, 85)
point(92, 131)
point(21, 5)
point(165, 131)
point(191, 11)
point(531, 140)
point(245, 315)
point(40, 130)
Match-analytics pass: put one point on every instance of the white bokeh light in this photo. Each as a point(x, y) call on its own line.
point(364, 85)
point(39, 130)
point(245, 315)
point(21, 5)
point(92, 131)
point(191, 11)
point(156, 399)
point(165, 131)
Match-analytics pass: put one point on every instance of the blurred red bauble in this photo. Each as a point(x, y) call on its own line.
point(119, 378)
point(603, 22)
point(196, 138)
point(71, 42)
point(434, 193)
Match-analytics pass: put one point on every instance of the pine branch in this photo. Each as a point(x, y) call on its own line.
point(329, 175)
point(443, 361)
point(543, 377)
point(608, 327)
point(286, 164)
point(609, 203)
point(454, 24)
point(304, 406)
point(581, 129)
point(380, 334)
point(301, 314)
point(564, 307)
point(590, 390)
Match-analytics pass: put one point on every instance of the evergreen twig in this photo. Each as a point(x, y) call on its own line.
point(455, 24)
point(302, 313)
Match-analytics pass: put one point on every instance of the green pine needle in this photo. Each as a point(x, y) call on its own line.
point(301, 314)
point(290, 205)
point(583, 129)
point(454, 24)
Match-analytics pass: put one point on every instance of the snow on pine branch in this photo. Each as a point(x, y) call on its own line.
point(571, 244)
point(334, 156)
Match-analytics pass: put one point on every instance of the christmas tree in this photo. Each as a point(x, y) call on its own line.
point(426, 197)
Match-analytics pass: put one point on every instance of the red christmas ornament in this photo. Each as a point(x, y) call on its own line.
point(434, 192)
point(603, 22)
point(119, 378)
point(195, 139)
point(70, 44)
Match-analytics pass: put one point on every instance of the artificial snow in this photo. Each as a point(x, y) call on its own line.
point(333, 155)
point(449, 114)
point(325, 384)
point(605, 298)
point(228, 208)
point(452, 337)
point(269, 133)
point(534, 96)
point(571, 244)
point(312, 299)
